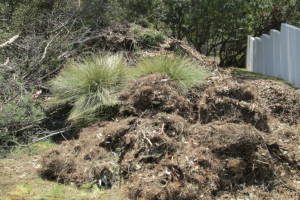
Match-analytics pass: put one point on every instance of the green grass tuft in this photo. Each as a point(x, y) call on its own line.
point(89, 86)
point(183, 70)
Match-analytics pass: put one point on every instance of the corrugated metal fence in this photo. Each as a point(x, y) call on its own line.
point(276, 54)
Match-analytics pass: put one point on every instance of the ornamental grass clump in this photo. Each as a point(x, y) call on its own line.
point(182, 70)
point(89, 86)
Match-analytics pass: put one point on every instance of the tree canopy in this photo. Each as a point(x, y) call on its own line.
point(214, 27)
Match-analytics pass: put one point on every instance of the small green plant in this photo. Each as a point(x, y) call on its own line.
point(89, 86)
point(19, 121)
point(147, 37)
point(183, 70)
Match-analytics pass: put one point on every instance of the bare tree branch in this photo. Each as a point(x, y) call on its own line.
point(50, 135)
point(10, 41)
point(47, 46)
point(45, 50)
point(5, 63)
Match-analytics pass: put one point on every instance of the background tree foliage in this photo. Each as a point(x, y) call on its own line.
point(221, 27)
point(214, 27)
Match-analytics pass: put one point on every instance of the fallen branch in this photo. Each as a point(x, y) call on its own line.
point(50, 135)
point(10, 41)
point(49, 74)
point(45, 50)
point(38, 140)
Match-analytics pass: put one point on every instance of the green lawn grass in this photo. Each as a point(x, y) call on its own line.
point(243, 73)
point(19, 179)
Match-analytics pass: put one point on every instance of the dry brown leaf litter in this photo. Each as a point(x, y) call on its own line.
point(160, 149)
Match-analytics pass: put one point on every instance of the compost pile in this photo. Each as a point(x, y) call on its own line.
point(224, 140)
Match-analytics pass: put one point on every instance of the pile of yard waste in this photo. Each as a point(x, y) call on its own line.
point(132, 41)
point(224, 139)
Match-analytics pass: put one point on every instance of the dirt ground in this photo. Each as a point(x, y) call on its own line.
point(232, 138)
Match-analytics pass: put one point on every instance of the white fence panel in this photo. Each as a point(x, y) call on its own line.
point(259, 56)
point(267, 54)
point(275, 35)
point(255, 55)
point(294, 54)
point(250, 49)
point(277, 54)
point(291, 52)
point(284, 51)
point(297, 59)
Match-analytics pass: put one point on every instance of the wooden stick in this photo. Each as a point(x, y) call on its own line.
point(10, 41)
point(50, 135)
point(6, 62)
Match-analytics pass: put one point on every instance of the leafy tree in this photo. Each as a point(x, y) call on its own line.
point(142, 12)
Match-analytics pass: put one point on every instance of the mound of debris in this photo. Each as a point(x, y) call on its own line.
point(232, 103)
point(153, 94)
point(114, 38)
point(123, 38)
point(165, 157)
point(158, 149)
point(279, 100)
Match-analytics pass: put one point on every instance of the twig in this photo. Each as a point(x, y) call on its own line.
point(63, 136)
point(26, 127)
point(10, 41)
point(45, 50)
point(47, 46)
point(40, 139)
point(6, 62)
point(49, 74)
point(32, 124)
point(41, 60)
point(43, 87)
point(50, 135)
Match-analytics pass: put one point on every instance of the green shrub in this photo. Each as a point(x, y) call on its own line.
point(147, 37)
point(89, 86)
point(24, 110)
point(183, 70)
point(19, 121)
